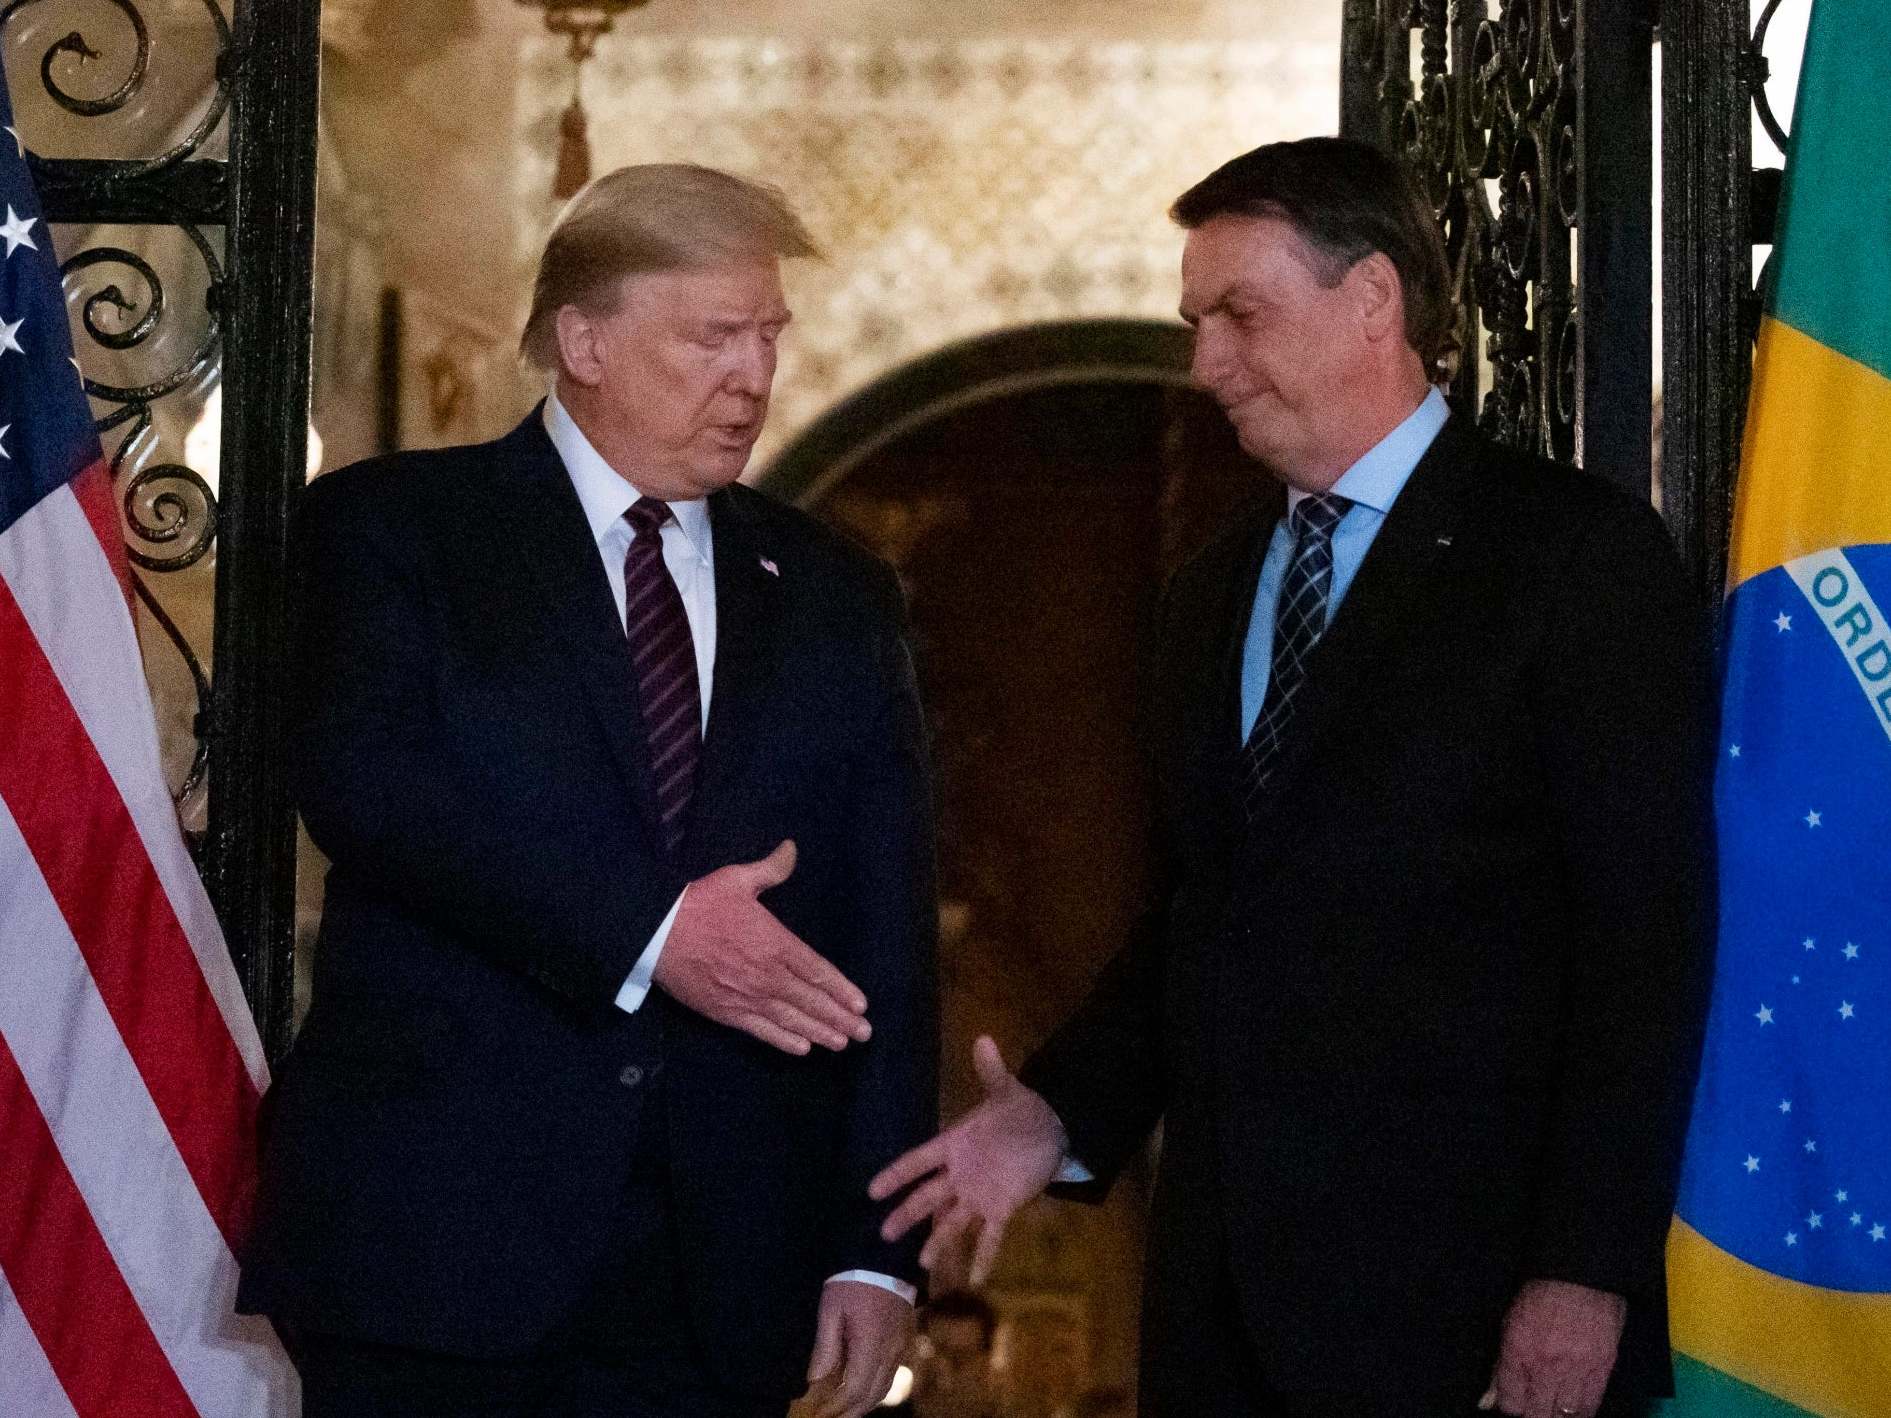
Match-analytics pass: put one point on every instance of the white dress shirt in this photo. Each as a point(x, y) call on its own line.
point(689, 554)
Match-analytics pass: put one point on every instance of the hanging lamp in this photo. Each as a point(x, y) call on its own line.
point(583, 23)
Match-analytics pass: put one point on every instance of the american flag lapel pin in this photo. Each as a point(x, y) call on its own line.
point(769, 566)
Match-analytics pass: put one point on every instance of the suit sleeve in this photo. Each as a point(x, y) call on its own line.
point(1103, 1071)
point(1624, 729)
point(892, 1096)
point(384, 797)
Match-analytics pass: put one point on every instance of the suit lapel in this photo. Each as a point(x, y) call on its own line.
point(1211, 676)
point(1392, 590)
point(575, 610)
point(750, 602)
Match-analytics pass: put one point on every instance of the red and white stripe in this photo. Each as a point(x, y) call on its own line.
point(130, 1070)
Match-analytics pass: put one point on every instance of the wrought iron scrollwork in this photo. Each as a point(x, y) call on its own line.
point(170, 510)
point(1485, 104)
point(119, 297)
point(148, 303)
point(260, 62)
point(200, 683)
point(1756, 69)
point(170, 505)
point(76, 49)
point(75, 44)
point(113, 298)
point(1492, 122)
point(1764, 184)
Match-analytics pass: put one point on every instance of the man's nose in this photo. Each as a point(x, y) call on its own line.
point(753, 372)
point(1207, 360)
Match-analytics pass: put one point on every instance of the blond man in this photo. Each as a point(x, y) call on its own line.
point(624, 987)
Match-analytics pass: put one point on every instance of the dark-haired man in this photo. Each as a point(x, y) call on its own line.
point(1420, 989)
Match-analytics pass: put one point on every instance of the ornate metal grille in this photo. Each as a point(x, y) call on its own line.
point(1716, 207)
point(126, 316)
point(147, 333)
point(1528, 124)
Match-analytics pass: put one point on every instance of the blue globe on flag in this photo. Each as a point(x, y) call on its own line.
point(1789, 1160)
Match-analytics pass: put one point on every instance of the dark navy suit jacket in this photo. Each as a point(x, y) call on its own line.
point(447, 1143)
point(1430, 1028)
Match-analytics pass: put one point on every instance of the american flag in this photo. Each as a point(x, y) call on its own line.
point(130, 1069)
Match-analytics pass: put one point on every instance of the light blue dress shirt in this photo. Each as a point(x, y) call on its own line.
point(1372, 485)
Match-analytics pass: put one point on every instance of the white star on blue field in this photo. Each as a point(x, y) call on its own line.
point(1789, 1158)
point(46, 432)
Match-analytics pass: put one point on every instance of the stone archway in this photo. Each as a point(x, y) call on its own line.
point(968, 372)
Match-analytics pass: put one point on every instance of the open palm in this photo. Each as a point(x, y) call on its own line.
point(973, 1177)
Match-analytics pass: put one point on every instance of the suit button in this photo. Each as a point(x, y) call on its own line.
point(631, 1076)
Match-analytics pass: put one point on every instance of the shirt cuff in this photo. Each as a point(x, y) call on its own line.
point(1073, 1173)
point(631, 997)
point(906, 1292)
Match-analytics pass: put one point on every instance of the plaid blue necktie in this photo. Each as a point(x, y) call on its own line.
point(1298, 622)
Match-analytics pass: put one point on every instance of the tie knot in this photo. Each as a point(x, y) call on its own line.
point(1319, 514)
point(646, 515)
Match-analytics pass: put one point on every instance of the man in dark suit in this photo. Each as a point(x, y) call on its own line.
point(1419, 996)
point(577, 1124)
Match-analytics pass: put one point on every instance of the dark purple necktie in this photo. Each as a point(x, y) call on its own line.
point(669, 698)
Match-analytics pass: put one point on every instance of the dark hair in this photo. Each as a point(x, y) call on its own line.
point(963, 1305)
point(1346, 199)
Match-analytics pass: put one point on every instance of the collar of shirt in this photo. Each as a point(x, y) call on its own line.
point(606, 496)
point(1376, 480)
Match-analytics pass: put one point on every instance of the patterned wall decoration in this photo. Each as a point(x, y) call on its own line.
point(958, 186)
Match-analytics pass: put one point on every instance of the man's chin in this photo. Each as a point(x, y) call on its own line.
point(722, 467)
point(1255, 440)
point(1251, 421)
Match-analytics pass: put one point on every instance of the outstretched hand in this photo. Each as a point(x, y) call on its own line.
point(973, 1177)
point(730, 960)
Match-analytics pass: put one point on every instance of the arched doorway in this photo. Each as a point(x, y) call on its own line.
point(1034, 487)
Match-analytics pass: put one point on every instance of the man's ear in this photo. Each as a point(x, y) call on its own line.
point(579, 356)
point(1379, 296)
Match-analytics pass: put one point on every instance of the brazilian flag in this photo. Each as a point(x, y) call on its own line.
point(1780, 1258)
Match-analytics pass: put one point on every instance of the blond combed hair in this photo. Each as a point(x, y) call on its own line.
point(652, 217)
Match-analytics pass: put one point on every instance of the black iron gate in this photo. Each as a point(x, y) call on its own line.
point(92, 62)
point(1530, 123)
point(1529, 128)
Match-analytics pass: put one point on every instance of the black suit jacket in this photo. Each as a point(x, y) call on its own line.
point(1431, 1028)
point(449, 1139)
